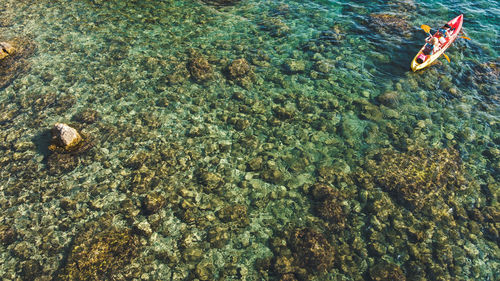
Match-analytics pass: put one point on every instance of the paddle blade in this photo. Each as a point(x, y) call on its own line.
point(465, 37)
point(446, 57)
point(426, 28)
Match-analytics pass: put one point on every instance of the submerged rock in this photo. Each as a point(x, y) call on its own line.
point(222, 2)
point(143, 228)
point(31, 269)
point(389, 24)
point(241, 72)
point(302, 254)
point(64, 137)
point(87, 116)
point(293, 66)
point(275, 26)
point(239, 68)
point(210, 180)
point(234, 213)
point(153, 202)
point(58, 163)
point(403, 6)
point(180, 74)
point(66, 144)
point(386, 271)
point(8, 234)
point(389, 99)
point(199, 67)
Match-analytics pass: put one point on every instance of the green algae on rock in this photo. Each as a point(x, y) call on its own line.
point(136, 73)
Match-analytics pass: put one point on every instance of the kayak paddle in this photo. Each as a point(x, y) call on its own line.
point(464, 35)
point(426, 28)
point(446, 57)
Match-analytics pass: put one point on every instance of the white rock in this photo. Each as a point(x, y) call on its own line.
point(6, 50)
point(144, 228)
point(65, 136)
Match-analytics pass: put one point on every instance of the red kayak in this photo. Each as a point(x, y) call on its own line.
point(424, 58)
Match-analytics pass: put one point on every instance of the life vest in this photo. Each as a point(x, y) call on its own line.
point(428, 49)
point(442, 32)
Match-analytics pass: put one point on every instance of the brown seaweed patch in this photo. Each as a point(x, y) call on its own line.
point(386, 271)
point(302, 254)
point(328, 205)
point(16, 64)
point(221, 2)
point(100, 255)
point(417, 175)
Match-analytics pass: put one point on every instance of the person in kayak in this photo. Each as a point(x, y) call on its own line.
point(443, 33)
point(432, 46)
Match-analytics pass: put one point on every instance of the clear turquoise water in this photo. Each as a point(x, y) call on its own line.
point(162, 132)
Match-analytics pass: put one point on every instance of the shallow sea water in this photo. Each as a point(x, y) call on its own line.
point(325, 159)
